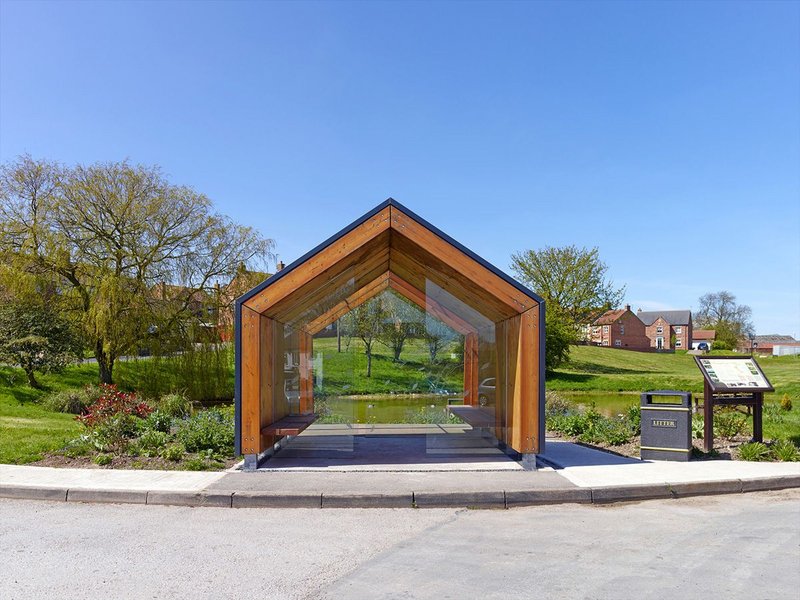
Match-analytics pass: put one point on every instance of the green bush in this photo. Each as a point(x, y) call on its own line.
point(174, 405)
point(78, 447)
point(698, 426)
point(174, 452)
point(754, 451)
point(157, 421)
point(151, 442)
point(74, 401)
point(103, 459)
point(785, 451)
point(634, 418)
point(786, 403)
point(729, 423)
point(211, 429)
point(556, 405)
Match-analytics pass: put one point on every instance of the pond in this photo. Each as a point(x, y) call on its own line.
point(403, 408)
point(390, 408)
point(609, 404)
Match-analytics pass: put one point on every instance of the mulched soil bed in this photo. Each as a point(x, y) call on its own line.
point(724, 449)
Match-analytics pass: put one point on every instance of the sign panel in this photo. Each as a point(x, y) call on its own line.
point(733, 373)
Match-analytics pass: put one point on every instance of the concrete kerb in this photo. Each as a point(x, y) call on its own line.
point(474, 499)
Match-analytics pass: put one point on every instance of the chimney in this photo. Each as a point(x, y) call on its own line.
point(638, 310)
point(627, 307)
point(279, 266)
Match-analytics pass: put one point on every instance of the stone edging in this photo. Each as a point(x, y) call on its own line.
point(483, 499)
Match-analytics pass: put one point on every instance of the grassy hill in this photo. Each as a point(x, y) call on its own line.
point(594, 369)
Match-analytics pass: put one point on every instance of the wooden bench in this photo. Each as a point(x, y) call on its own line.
point(475, 416)
point(291, 425)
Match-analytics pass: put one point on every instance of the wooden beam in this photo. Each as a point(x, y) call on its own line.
point(468, 267)
point(250, 381)
point(267, 383)
point(328, 287)
point(413, 264)
point(357, 298)
point(471, 369)
point(430, 305)
point(330, 259)
point(523, 355)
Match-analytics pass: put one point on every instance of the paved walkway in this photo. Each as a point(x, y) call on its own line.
point(577, 474)
point(586, 467)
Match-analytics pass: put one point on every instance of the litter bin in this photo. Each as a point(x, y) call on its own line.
point(666, 425)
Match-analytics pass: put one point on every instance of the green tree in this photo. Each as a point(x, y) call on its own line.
point(402, 321)
point(573, 282)
point(35, 338)
point(366, 322)
point(436, 335)
point(131, 251)
point(731, 321)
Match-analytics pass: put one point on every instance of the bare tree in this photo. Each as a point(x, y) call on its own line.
point(365, 322)
point(730, 320)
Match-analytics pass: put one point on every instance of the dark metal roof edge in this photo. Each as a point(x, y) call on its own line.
point(389, 202)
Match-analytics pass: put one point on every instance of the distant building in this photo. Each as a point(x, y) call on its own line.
point(668, 329)
point(771, 345)
point(700, 336)
point(618, 329)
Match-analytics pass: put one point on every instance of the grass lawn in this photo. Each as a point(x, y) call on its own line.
point(344, 373)
point(27, 430)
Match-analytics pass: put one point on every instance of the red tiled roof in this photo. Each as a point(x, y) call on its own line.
point(609, 316)
point(704, 334)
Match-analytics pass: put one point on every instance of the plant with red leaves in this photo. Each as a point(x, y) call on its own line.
point(112, 419)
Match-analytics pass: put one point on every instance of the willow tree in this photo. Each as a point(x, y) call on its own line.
point(132, 252)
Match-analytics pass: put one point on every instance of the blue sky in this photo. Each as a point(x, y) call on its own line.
point(667, 134)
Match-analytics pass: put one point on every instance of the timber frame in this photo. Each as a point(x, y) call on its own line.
point(389, 248)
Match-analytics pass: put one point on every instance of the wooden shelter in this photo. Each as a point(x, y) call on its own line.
point(389, 248)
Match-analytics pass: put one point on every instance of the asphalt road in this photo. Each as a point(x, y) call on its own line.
point(737, 546)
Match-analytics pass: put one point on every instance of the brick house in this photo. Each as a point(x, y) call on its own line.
point(667, 329)
point(619, 328)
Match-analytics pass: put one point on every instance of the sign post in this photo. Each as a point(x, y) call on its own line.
point(732, 381)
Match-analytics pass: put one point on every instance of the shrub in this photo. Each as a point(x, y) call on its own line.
point(435, 416)
point(786, 403)
point(210, 429)
point(634, 418)
point(151, 442)
point(556, 405)
point(78, 447)
point(754, 451)
point(698, 425)
point(114, 418)
point(729, 423)
point(74, 401)
point(157, 421)
point(175, 405)
point(103, 459)
point(785, 451)
point(174, 452)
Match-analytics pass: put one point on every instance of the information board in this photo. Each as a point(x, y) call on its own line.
point(733, 373)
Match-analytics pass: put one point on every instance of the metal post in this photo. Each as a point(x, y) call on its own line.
point(758, 435)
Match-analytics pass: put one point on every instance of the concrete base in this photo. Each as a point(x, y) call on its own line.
point(528, 461)
point(250, 462)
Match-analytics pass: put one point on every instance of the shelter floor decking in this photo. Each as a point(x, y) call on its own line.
point(389, 447)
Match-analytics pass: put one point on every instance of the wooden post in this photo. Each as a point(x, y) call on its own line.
point(471, 369)
point(251, 381)
point(306, 373)
point(758, 406)
point(708, 418)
